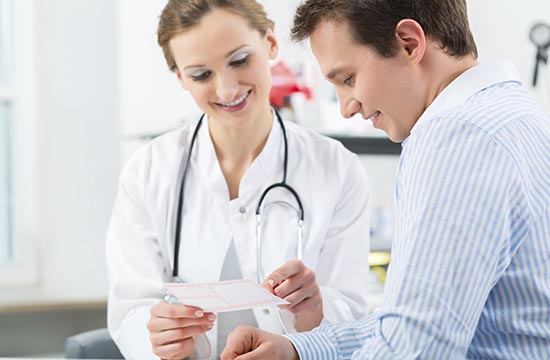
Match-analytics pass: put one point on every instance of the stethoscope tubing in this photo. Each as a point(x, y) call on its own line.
point(283, 184)
point(175, 270)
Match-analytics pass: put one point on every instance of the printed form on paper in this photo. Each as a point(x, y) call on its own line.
point(222, 296)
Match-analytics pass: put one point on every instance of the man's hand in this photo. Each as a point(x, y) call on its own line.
point(248, 343)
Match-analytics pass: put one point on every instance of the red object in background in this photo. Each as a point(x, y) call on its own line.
point(284, 84)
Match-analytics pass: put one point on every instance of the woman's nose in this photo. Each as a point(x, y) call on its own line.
point(227, 88)
point(349, 108)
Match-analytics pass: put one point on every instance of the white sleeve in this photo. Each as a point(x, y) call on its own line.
point(342, 268)
point(136, 268)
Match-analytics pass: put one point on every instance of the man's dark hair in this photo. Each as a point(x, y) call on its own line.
point(373, 22)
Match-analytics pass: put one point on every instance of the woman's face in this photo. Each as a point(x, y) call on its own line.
point(224, 64)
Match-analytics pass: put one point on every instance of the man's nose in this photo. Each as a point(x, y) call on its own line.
point(349, 108)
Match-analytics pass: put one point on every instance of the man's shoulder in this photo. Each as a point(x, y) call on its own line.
point(494, 111)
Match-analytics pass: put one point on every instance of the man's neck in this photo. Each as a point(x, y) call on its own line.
point(444, 69)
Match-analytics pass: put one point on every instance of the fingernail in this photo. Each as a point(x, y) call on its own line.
point(211, 317)
point(271, 282)
point(209, 325)
point(198, 313)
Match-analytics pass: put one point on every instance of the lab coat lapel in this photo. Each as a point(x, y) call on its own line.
point(206, 161)
point(203, 169)
point(265, 169)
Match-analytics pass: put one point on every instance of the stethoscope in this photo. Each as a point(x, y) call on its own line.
point(282, 184)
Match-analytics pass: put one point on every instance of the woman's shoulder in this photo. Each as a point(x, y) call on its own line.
point(173, 141)
point(162, 151)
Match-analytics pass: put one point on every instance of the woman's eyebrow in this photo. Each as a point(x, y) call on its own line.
point(200, 67)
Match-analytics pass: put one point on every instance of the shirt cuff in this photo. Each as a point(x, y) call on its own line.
point(313, 345)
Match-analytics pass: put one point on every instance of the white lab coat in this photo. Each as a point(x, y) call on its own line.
point(330, 181)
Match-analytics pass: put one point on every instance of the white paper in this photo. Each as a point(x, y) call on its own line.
point(222, 296)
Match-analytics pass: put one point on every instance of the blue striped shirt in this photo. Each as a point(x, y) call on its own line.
point(470, 271)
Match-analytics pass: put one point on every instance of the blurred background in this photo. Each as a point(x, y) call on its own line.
point(83, 85)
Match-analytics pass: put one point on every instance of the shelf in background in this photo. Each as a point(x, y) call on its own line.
point(369, 145)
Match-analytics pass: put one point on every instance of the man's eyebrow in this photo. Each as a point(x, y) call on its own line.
point(332, 74)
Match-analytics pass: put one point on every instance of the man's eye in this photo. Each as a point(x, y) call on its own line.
point(239, 62)
point(202, 76)
point(348, 81)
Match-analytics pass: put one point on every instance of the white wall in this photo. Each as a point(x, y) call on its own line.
point(151, 99)
point(501, 30)
point(78, 148)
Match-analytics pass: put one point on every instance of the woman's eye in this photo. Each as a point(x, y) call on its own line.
point(239, 62)
point(202, 76)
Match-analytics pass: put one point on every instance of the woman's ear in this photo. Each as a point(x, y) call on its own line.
point(411, 39)
point(273, 45)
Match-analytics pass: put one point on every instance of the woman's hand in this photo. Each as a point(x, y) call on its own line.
point(173, 328)
point(296, 283)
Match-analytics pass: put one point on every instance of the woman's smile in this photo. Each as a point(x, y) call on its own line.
point(237, 104)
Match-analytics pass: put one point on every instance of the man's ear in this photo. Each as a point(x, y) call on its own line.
point(181, 80)
point(273, 45)
point(411, 39)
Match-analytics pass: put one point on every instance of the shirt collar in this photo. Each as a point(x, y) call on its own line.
point(470, 82)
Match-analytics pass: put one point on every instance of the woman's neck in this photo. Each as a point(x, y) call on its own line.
point(236, 148)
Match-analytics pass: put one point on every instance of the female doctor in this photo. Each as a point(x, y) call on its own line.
point(186, 205)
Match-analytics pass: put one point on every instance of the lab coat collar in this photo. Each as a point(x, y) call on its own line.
point(470, 82)
point(268, 166)
point(262, 169)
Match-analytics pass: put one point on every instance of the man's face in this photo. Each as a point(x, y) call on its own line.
point(388, 91)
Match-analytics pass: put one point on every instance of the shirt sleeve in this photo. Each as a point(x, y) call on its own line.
point(135, 267)
point(455, 195)
point(346, 248)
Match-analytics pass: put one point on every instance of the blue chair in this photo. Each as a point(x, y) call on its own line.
point(93, 344)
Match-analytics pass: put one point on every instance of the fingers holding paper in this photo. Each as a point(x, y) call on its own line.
point(173, 327)
point(248, 343)
point(296, 283)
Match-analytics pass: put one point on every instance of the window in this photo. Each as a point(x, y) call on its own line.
point(17, 148)
point(6, 95)
point(5, 212)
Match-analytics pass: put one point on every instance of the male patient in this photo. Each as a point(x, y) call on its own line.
point(470, 271)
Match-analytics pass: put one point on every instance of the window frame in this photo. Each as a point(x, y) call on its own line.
point(21, 269)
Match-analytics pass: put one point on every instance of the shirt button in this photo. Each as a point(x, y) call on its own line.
point(266, 311)
point(242, 210)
